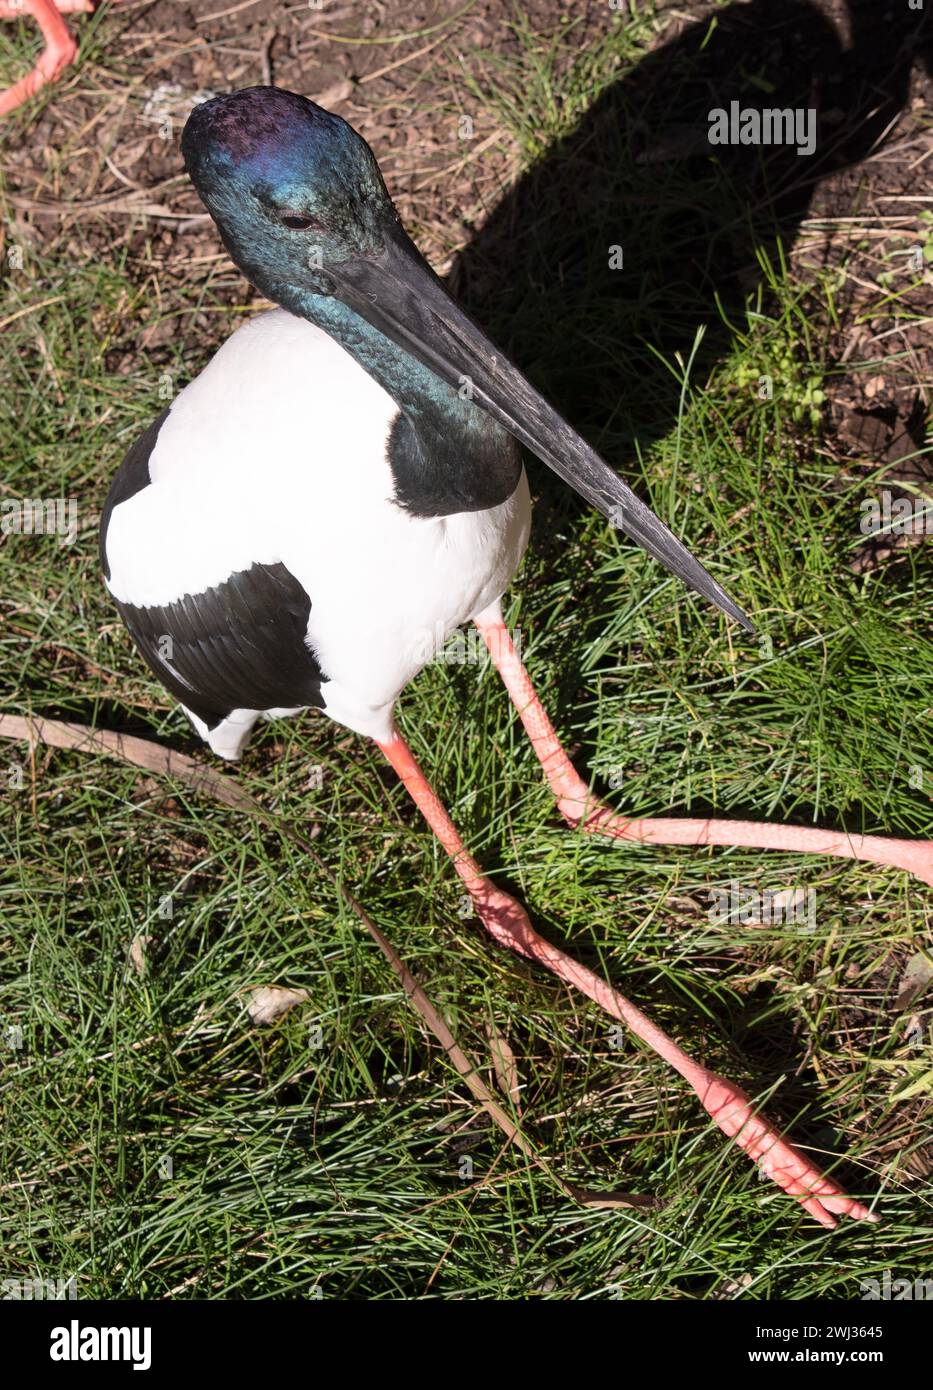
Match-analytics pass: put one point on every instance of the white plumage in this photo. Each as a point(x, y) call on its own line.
point(276, 453)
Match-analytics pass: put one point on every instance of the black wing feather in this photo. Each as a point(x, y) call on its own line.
point(237, 645)
point(215, 657)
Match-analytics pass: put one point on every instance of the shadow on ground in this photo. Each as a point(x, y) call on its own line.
point(639, 173)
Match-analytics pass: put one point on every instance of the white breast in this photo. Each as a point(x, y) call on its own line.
point(282, 426)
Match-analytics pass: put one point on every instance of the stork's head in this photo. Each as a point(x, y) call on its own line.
point(304, 212)
point(292, 188)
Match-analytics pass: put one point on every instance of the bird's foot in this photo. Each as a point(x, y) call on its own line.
point(727, 1104)
point(59, 51)
point(799, 1177)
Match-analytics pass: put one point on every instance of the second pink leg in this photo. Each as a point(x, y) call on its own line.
point(580, 807)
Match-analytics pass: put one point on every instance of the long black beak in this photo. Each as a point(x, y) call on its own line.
point(398, 293)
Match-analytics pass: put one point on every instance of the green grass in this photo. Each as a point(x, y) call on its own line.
point(340, 1166)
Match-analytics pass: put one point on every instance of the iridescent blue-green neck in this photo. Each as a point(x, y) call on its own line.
point(446, 454)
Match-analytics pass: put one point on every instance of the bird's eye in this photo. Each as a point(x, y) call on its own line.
point(296, 221)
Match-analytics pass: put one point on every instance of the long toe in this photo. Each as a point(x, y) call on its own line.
point(792, 1170)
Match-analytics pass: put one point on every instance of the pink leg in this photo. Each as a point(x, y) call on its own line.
point(14, 9)
point(580, 807)
point(508, 923)
point(60, 47)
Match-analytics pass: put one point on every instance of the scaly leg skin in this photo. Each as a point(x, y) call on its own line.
point(60, 47)
point(508, 923)
point(581, 808)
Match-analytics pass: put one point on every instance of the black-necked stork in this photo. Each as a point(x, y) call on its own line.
point(342, 487)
